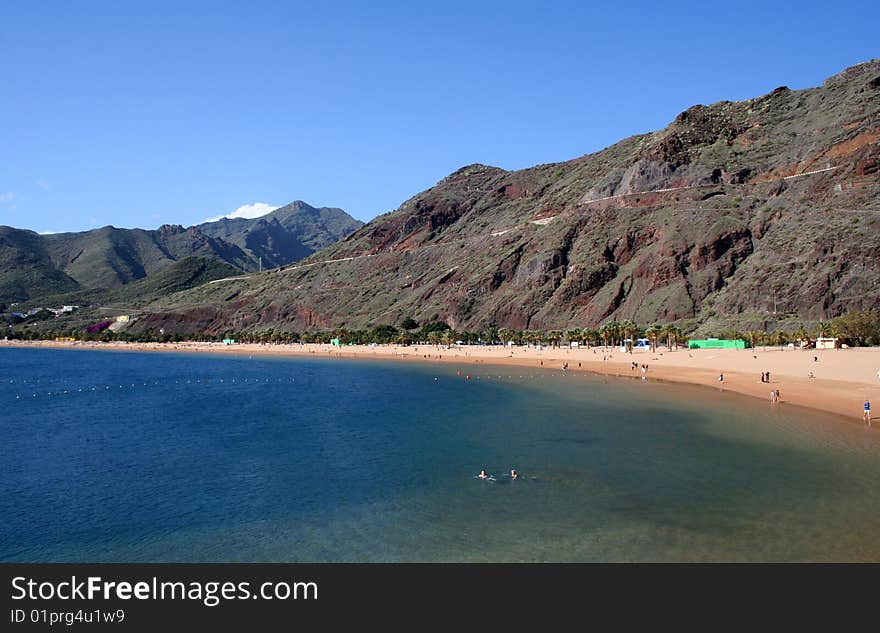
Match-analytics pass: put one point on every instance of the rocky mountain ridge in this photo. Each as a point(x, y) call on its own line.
point(33, 265)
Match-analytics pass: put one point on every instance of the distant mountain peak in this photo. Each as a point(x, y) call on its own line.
point(246, 211)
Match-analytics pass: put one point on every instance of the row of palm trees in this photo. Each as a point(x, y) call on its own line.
point(759, 337)
point(611, 333)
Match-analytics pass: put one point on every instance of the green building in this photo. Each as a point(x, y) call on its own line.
point(718, 343)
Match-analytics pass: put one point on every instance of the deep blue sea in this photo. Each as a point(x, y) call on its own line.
point(117, 456)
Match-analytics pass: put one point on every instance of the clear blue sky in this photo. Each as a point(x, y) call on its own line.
point(137, 114)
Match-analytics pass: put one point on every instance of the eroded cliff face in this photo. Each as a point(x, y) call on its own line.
point(771, 204)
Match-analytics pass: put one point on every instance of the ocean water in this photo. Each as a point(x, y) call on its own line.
point(116, 456)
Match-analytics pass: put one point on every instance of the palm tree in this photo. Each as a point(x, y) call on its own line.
point(490, 335)
point(753, 336)
point(628, 328)
point(780, 338)
point(614, 328)
point(672, 335)
point(836, 331)
point(606, 332)
point(654, 332)
point(505, 334)
point(590, 336)
point(802, 336)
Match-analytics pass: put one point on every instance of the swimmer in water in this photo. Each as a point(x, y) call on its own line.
point(514, 474)
point(483, 475)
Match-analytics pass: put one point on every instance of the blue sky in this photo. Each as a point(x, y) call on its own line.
point(138, 114)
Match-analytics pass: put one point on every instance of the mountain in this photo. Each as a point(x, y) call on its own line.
point(109, 257)
point(33, 266)
point(743, 212)
point(285, 235)
point(26, 270)
point(186, 273)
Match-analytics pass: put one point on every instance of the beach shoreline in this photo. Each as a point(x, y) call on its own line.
point(842, 380)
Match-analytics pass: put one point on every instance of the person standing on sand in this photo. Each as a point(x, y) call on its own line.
point(866, 416)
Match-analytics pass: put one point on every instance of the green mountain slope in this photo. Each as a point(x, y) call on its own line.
point(109, 257)
point(184, 274)
point(25, 267)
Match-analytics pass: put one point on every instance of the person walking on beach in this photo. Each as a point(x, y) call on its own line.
point(720, 377)
point(866, 416)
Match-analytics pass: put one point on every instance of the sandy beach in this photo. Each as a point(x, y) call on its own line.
point(841, 381)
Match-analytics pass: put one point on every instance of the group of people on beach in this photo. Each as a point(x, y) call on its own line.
point(765, 376)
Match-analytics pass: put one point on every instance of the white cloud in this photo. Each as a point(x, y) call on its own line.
point(249, 211)
point(7, 196)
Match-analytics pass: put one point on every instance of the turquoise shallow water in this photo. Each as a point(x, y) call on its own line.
point(113, 456)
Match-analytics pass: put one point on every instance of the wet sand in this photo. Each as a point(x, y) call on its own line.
point(842, 380)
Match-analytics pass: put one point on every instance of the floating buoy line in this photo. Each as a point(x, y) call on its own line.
point(30, 389)
point(35, 388)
